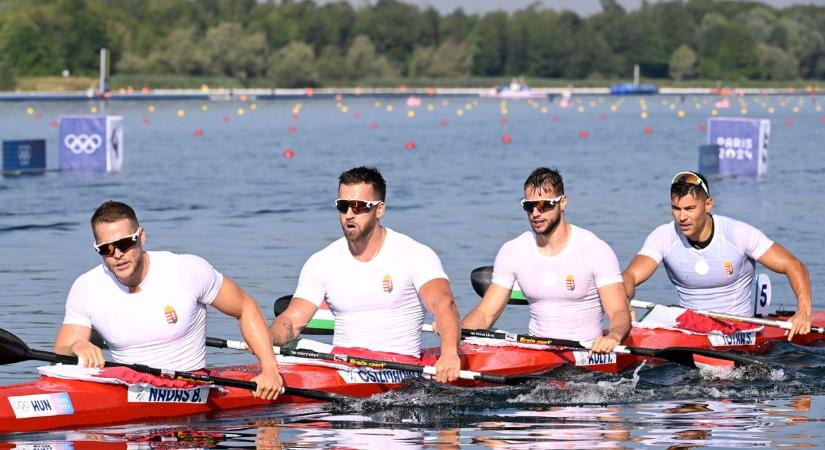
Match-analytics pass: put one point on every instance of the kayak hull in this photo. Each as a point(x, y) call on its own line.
point(752, 342)
point(53, 403)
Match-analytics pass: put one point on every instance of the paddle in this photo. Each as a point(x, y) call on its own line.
point(13, 350)
point(734, 318)
point(481, 277)
point(322, 323)
point(373, 363)
point(680, 355)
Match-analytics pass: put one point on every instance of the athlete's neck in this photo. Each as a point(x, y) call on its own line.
point(140, 273)
point(366, 249)
point(554, 242)
point(705, 237)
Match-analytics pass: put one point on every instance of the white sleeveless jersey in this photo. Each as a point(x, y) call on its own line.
point(375, 303)
point(163, 325)
point(562, 290)
point(718, 277)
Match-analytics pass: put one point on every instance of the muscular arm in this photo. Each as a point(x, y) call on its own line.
point(438, 298)
point(780, 260)
point(74, 340)
point(234, 301)
point(617, 309)
point(639, 270)
point(489, 309)
point(287, 326)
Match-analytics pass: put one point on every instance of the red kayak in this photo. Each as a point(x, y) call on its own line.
point(54, 403)
point(751, 342)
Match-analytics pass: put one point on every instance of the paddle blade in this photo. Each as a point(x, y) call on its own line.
point(281, 304)
point(481, 277)
point(12, 348)
point(320, 324)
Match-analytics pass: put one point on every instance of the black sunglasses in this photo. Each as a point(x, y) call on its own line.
point(122, 244)
point(358, 206)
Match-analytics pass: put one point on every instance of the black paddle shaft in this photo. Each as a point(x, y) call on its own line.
point(679, 355)
point(13, 349)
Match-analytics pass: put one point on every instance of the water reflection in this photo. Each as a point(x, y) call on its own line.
point(672, 425)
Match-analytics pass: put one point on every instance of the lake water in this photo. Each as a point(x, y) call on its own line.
point(231, 196)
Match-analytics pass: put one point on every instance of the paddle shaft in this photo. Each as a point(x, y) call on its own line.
point(362, 362)
point(734, 318)
point(679, 355)
point(41, 355)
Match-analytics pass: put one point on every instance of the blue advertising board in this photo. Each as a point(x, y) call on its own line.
point(20, 157)
point(743, 145)
point(91, 143)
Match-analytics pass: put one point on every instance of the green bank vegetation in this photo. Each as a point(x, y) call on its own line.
point(234, 43)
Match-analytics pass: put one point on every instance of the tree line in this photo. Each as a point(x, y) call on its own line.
point(301, 43)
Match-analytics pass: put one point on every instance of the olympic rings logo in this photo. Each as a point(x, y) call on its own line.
point(83, 143)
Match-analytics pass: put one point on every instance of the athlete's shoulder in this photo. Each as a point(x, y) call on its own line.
point(587, 238)
point(92, 276)
point(334, 249)
point(403, 240)
point(524, 239)
point(727, 223)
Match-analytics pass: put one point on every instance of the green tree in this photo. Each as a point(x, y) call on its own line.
point(776, 64)
point(294, 66)
point(362, 61)
point(682, 63)
point(25, 49)
point(7, 81)
point(489, 45)
point(232, 53)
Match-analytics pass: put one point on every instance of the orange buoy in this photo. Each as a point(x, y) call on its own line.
point(310, 92)
point(822, 119)
point(506, 138)
point(556, 118)
point(702, 127)
point(198, 132)
point(410, 145)
point(648, 130)
point(292, 129)
point(225, 119)
point(288, 153)
point(444, 122)
point(373, 125)
point(338, 97)
point(53, 124)
point(788, 122)
point(244, 98)
point(583, 134)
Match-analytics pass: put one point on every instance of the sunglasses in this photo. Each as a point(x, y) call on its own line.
point(543, 204)
point(358, 206)
point(123, 244)
point(690, 178)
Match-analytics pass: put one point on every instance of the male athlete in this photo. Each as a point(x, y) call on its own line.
point(710, 258)
point(150, 306)
point(376, 282)
point(570, 277)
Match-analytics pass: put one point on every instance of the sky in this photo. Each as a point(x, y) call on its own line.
point(581, 7)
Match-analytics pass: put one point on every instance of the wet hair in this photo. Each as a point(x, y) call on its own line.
point(545, 179)
point(683, 188)
point(366, 175)
point(112, 211)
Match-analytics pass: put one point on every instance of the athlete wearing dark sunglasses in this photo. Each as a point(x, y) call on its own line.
point(150, 306)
